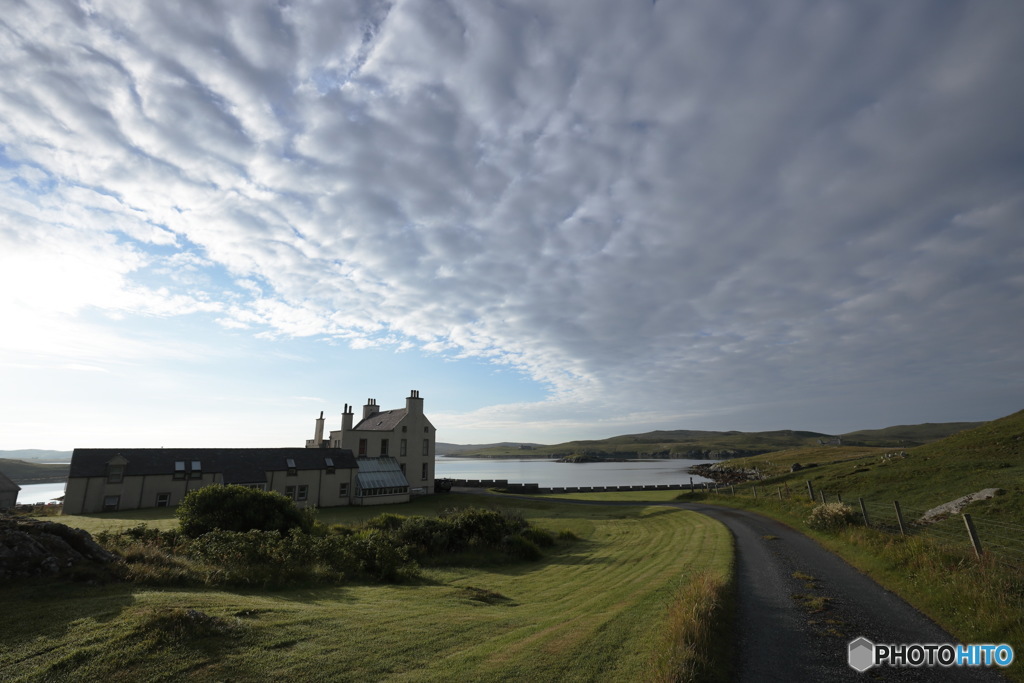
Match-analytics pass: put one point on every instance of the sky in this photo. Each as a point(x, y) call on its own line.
point(556, 220)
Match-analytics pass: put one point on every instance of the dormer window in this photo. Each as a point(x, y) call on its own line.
point(115, 474)
point(292, 469)
point(197, 470)
point(329, 465)
point(179, 469)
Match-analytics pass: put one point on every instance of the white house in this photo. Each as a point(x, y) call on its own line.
point(403, 434)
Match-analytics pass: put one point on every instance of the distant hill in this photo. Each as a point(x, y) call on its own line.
point(694, 444)
point(38, 455)
point(23, 472)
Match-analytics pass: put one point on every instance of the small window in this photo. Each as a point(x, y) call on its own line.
point(426, 430)
point(292, 470)
point(383, 447)
point(403, 467)
point(403, 447)
point(426, 471)
point(163, 500)
point(289, 492)
point(405, 428)
point(343, 489)
point(110, 503)
point(302, 493)
point(362, 446)
point(197, 470)
point(329, 465)
point(426, 447)
point(179, 469)
point(115, 474)
point(258, 487)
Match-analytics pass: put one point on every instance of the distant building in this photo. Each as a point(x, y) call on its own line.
point(404, 434)
point(389, 449)
point(8, 492)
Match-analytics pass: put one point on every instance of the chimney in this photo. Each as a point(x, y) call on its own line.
point(414, 404)
point(370, 408)
point(318, 436)
point(346, 419)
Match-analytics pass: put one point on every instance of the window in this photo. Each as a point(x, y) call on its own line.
point(197, 470)
point(405, 428)
point(292, 470)
point(115, 474)
point(289, 492)
point(179, 469)
point(403, 447)
point(362, 446)
point(329, 465)
point(383, 447)
point(258, 487)
point(302, 493)
point(426, 471)
point(403, 467)
point(110, 503)
point(426, 447)
point(426, 430)
point(343, 489)
point(163, 500)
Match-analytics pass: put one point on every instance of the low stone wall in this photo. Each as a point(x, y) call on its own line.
point(536, 488)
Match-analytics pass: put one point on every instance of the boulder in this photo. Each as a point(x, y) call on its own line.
point(31, 547)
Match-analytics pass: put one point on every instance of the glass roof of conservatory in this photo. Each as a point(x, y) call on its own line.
point(376, 473)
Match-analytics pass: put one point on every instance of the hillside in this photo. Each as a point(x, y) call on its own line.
point(682, 443)
point(37, 455)
point(22, 472)
point(988, 456)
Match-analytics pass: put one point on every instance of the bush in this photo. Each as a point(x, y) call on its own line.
point(520, 548)
point(238, 508)
point(831, 516)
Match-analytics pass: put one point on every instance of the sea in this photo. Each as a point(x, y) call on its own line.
point(553, 473)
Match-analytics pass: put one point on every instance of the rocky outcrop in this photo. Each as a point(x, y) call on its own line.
point(31, 547)
point(955, 507)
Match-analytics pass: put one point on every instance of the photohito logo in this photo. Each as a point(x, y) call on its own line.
point(863, 654)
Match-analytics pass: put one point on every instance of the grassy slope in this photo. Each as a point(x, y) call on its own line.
point(593, 609)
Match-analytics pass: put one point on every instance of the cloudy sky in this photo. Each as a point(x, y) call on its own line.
point(554, 219)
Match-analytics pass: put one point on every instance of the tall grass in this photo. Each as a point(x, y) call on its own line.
point(692, 642)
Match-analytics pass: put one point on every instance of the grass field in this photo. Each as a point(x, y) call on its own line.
point(599, 608)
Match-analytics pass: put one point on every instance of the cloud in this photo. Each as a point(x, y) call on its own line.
point(684, 209)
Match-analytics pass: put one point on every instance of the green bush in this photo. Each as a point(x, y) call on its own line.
point(520, 548)
point(831, 516)
point(238, 508)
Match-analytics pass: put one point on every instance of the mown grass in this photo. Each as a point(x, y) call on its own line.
point(597, 609)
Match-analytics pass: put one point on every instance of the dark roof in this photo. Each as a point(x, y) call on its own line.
point(6, 484)
point(237, 465)
point(384, 421)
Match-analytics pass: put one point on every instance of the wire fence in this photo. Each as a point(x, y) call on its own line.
point(1000, 539)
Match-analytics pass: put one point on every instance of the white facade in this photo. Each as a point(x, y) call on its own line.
point(404, 434)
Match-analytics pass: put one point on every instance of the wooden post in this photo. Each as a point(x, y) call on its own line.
point(973, 533)
point(810, 490)
point(733, 489)
point(864, 511)
point(780, 493)
point(822, 496)
point(754, 489)
point(899, 517)
point(691, 484)
point(839, 497)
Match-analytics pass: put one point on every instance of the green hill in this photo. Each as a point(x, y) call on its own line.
point(22, 472)
point(684, 443)
point(988, 456)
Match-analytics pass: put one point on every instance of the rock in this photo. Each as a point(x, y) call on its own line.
point(30, 547)
point(955, 507)
point(796, 467)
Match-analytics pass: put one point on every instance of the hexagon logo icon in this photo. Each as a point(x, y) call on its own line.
point(861, 656)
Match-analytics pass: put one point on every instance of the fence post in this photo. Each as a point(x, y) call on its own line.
point(810, 490)
point(822, 496)
point(864, 511)
point(839, 497)
point(691, 484)
point(780, 493)
point(733, 489)
point(899, 517)
point(973, 533)
point(754, 489)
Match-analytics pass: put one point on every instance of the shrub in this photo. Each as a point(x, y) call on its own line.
point(520, 548)
point(238, 508)
point(831, 516)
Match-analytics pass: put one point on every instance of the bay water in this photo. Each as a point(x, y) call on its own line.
point(553, 473)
